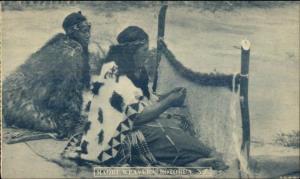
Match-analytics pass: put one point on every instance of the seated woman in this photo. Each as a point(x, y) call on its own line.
point(45, 93)
point(151, 132)
point(160, 121)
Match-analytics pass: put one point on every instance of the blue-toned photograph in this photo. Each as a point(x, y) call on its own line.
point(152, 89)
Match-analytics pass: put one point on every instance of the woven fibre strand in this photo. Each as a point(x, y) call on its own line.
point(214, 110)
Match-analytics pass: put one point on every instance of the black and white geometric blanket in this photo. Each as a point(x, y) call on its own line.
point(110, 105)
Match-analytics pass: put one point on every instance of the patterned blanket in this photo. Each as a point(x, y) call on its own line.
point(110, 105)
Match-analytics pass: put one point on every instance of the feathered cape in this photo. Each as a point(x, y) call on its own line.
point(45, 93)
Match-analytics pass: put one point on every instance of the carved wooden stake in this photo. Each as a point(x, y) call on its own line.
point(245, 48)
point(160, 37)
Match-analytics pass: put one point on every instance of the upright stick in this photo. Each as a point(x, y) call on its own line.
point(245, 48)
point(160, 37)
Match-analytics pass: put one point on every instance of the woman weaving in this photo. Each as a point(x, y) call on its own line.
point(159, 134)
point(161, 120)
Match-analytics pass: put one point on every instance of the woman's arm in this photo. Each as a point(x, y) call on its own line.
point(153, 111)
point(164, 95)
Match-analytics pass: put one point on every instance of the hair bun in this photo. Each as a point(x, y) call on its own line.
point(131, 34)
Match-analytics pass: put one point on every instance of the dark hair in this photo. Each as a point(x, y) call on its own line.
point(123, 56)
point(141, 82)
point(73, 19)
point(130, 39)
point(132, 34)
point(86, 78)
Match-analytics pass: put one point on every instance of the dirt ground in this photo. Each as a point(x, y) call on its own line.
point(202, 40)
point(19, 161)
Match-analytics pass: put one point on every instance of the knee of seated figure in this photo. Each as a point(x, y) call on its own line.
point(216, 154)
point(46, 125)
point(202, 162)
point(214, 163)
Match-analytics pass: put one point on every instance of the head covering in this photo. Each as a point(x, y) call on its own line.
point(132, 34)
point(73, 19)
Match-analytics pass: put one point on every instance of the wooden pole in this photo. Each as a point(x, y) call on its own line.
point(245, 147)
point(160, 37)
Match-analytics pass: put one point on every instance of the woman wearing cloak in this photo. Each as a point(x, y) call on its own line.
point(154, 130)
point(153, 124)
point(161, 119)
point(45, 93)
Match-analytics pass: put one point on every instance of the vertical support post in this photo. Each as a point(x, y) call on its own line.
point(245, 50)
point(160, 37)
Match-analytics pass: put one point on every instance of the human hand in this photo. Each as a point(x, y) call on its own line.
point(176, 89)
point(163, 96)
point(216, 155)
point(177, 97)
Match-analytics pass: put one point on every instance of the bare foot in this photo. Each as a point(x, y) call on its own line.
point(213, 162)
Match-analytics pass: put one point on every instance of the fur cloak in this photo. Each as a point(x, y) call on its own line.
point(45, 93)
